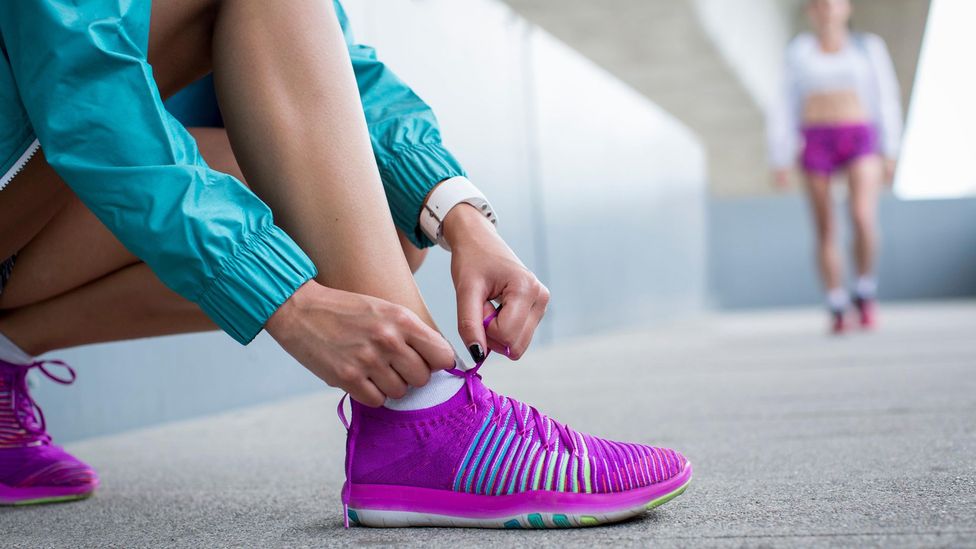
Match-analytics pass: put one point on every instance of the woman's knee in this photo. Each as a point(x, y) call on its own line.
point(863, 218)
point(415, 259)
point(414, 255)
point(824, 225)
point(29, 203)
point(825, 233)
point(180, 37)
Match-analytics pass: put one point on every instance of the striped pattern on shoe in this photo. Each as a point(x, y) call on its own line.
point(489, 461)
point(32, 469)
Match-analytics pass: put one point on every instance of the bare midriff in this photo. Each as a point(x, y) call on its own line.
point(834, 107)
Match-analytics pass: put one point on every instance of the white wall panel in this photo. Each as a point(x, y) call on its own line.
point(623, 186)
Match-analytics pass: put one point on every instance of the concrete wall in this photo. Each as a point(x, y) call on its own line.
point(751, 36)
point(623, 201)
point(761, 250)
point(599, 191)
point(662, 50)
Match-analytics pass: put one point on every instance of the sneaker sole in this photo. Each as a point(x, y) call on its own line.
point(37, 496)
point(397, 506)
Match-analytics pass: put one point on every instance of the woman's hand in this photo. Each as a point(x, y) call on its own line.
point(484, 268)
point(781, 178)
point(367, 346)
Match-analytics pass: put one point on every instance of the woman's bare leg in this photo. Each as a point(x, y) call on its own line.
point(73, 249)
point(215, 145)
point(828, 255)
point(865, 182)
point(309, 157)
point(126, 304)
point(29, 203)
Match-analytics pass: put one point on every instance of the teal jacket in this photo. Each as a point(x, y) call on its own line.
point(74, 80)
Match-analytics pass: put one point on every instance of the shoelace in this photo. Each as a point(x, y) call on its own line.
point(525, 421)
point(24, 406)
point(533, 418)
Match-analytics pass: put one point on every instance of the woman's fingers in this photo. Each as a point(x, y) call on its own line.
point(433, 349)
point(510, 322)
point(471, 300)
point(371, 348)
point(498, 347)
point(388, 381)
point(536, 313)
point(516, 322)
point(411, 367)
point(493, 344)
point(366, 392)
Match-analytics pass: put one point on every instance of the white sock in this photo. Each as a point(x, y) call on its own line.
point(441, 387)
point(866, 286)
point(838, 299)
point(10, 352)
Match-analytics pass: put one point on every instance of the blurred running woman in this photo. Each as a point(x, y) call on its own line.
point(840, 96)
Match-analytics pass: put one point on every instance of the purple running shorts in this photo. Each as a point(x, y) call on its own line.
point(829, 147)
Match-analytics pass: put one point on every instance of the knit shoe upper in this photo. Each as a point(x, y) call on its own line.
point(485, 460)
point(32, 469)
point(480, 442)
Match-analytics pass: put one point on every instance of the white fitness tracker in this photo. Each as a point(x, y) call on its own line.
point(446, 195)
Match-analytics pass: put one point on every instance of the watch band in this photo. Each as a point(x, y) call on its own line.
point(443, 198)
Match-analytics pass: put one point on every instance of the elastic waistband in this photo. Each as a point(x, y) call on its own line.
point(838, 126)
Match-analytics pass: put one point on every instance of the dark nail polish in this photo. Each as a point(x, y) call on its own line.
point(477, 353)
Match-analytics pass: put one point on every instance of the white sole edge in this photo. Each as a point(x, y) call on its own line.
point(404, 519)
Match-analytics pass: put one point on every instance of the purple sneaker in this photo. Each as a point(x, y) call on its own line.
point(484, 460)
point(32, 470)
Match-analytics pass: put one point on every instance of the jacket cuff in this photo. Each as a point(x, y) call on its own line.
point(251, 285)
point(409, 177)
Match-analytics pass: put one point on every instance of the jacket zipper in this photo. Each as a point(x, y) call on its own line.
point(19, 164)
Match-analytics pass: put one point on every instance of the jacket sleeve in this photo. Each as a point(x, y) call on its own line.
point(782, 126)
point(405, 136)
point(82, 74)
point(887, 107)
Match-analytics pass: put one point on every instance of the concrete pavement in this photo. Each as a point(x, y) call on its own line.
point(797, 440)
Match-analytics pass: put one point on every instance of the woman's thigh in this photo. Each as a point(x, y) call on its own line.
point(65, 246)
point(71, 250)
point(180, 37)
point(29, 203)
point(59, 244)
